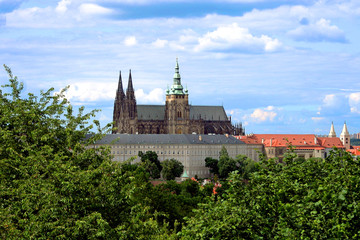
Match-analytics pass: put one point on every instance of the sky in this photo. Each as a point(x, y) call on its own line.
point(277, 66)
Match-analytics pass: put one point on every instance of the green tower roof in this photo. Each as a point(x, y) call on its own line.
point(176, 88)
point(185, 175)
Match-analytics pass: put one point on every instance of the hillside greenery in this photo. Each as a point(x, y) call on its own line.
point(54, 186)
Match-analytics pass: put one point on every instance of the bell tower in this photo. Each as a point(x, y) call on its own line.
point(177, 109)
point(345, 137)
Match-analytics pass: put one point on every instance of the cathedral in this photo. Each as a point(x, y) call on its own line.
point(177, 116)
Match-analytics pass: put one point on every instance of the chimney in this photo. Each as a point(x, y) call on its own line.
point(315, 140)
point(270, 142)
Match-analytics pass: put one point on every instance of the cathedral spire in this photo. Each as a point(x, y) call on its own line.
point(120, 91)
point(130, 89)
point(118, 104)
point(177, 88)
point(130, 100)
point(332, 133)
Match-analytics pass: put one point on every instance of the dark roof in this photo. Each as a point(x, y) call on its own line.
point(215, 113)
point(157, 112)
point(150, 112)
point(168, 139)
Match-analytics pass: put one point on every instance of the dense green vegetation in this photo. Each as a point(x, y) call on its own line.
point(53, 187)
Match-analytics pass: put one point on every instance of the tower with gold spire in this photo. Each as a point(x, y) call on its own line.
point(177, 109)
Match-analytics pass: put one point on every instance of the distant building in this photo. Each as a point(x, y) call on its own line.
point(190, 149)
point(305, 145)
point(354, 150)
point(177, 116)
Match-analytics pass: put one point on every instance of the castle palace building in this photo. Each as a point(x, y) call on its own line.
point(177, 116)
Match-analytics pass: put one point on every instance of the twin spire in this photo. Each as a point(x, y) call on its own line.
point(344, 131)
point(120, 95)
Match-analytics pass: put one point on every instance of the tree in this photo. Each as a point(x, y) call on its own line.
point(312, 199)
point(246, 166)
point(171, 168)
point(151, 163)
point(226, 166)
point(226, 163)
point(55, 184)
point(212, 163)
point(223, 153)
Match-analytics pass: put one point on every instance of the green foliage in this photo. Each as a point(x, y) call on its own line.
point(226, 163)
point(54, 184)
point(312, 199)
point(212, 163)
point(171, 168)
point(223, 153)
point(151, 163)
point(223, 167)
point(246, 166)
point(226, 166)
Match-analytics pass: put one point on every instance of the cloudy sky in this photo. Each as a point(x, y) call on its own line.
point(277, 66)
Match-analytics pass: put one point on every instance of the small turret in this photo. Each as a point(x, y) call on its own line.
point(332, 133)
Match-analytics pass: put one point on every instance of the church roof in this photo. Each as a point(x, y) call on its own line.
point(215, 113)
point(167, 139)
point(150, 112)
point(157, 112)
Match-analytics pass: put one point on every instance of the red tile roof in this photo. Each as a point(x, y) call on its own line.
point(355, 150)
point(330, 142)
point(300, 141)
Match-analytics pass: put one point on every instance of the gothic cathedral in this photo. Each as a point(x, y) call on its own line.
point(176, 117)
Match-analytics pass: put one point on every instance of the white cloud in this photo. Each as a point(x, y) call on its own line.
point(62, 6)
point(90, 92)
point(261, 115)
point(322, 30)
point(92, 9)
point(317, 119)
point(155, 96)
point(130, 41)
point(66, 13)
point(330, 100)
point(334, 104)
point(236, 38)
point(159, 43)
point(354, 102)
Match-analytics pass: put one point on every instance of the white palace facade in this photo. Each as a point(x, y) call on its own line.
point(190, 149)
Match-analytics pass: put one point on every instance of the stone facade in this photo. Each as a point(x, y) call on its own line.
point(177, 116)
point(190, 149)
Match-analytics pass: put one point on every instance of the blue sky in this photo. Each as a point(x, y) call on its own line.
point(276, 66)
